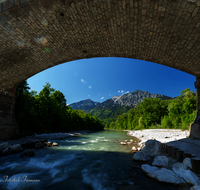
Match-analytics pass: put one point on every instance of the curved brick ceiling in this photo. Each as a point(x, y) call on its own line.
point(39, 34)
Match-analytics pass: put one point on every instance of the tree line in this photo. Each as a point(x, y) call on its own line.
point(177, 113)
point(47, 112)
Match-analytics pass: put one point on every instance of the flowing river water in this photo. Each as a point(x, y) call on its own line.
point(95, 161)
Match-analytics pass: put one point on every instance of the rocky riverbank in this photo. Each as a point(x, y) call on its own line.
point(26, 145)
point(162, 165)
point(162, 135)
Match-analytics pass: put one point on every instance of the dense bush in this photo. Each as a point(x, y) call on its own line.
point(47, 112)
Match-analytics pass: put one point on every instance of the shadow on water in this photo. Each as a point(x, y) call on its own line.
point(79, 170)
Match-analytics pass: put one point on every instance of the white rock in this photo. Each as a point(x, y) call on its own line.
point(139, 149)
point(187, 162)
point(196, 187)
point(134, 148)
point(181, 170)
point(146, 168)
point(160, 161)
point(141, 156)
point(166, 175)
point(123, 143)
point(152, 148)
point(55, 144)
point(3, 146)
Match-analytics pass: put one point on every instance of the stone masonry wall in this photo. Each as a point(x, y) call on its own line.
point(8, 125)
point(39, 34)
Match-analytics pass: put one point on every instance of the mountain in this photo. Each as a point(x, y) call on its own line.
point(108, 110)
point(85, 105)
point(134, 98)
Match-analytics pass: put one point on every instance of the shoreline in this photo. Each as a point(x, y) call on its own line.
point(162, 135)
point(45, 136)
point(27, 144)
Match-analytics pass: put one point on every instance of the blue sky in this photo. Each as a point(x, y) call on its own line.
point(99, 79)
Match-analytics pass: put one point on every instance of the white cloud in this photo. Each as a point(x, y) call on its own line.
point(82, 80)
point(89, 86)
point(126, 92)
point(122, 91)
point(102, 98)
point(118, 91)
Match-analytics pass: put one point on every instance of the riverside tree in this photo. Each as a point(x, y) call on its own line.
point(47, 112)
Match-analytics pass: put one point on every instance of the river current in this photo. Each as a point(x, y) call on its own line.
point(95, 161)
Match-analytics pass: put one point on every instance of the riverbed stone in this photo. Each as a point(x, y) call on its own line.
point(152, 148)
point(54, 144)
point(160, 161)
point(134, 148)
point(140, 156)
point(181, 170)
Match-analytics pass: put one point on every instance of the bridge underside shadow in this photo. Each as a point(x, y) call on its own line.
point(38, 34)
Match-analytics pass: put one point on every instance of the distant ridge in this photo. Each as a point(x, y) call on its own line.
point(85, 105)
point(131, 99)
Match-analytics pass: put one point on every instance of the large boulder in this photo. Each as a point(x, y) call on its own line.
point(3, 146)
point(146, 168)
point(153, 148)
point(140, 156)
point(13, 149)
point(163, 174)
point(187, 162)
point(181, 170)
point(160, 161)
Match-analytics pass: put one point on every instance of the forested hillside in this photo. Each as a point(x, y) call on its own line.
point(177, 113)
point(47, 112)
point(109, 110)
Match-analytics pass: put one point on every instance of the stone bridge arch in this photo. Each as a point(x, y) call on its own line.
point(39, 34)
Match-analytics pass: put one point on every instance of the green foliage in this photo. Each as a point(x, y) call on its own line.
point(47, 112)
point(109, 112)
point(177, 113)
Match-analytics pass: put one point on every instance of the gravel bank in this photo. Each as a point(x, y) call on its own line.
point(162, 135)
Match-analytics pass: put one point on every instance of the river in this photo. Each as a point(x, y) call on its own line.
point(95, 161)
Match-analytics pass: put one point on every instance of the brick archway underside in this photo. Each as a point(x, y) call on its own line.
point(40, 34)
